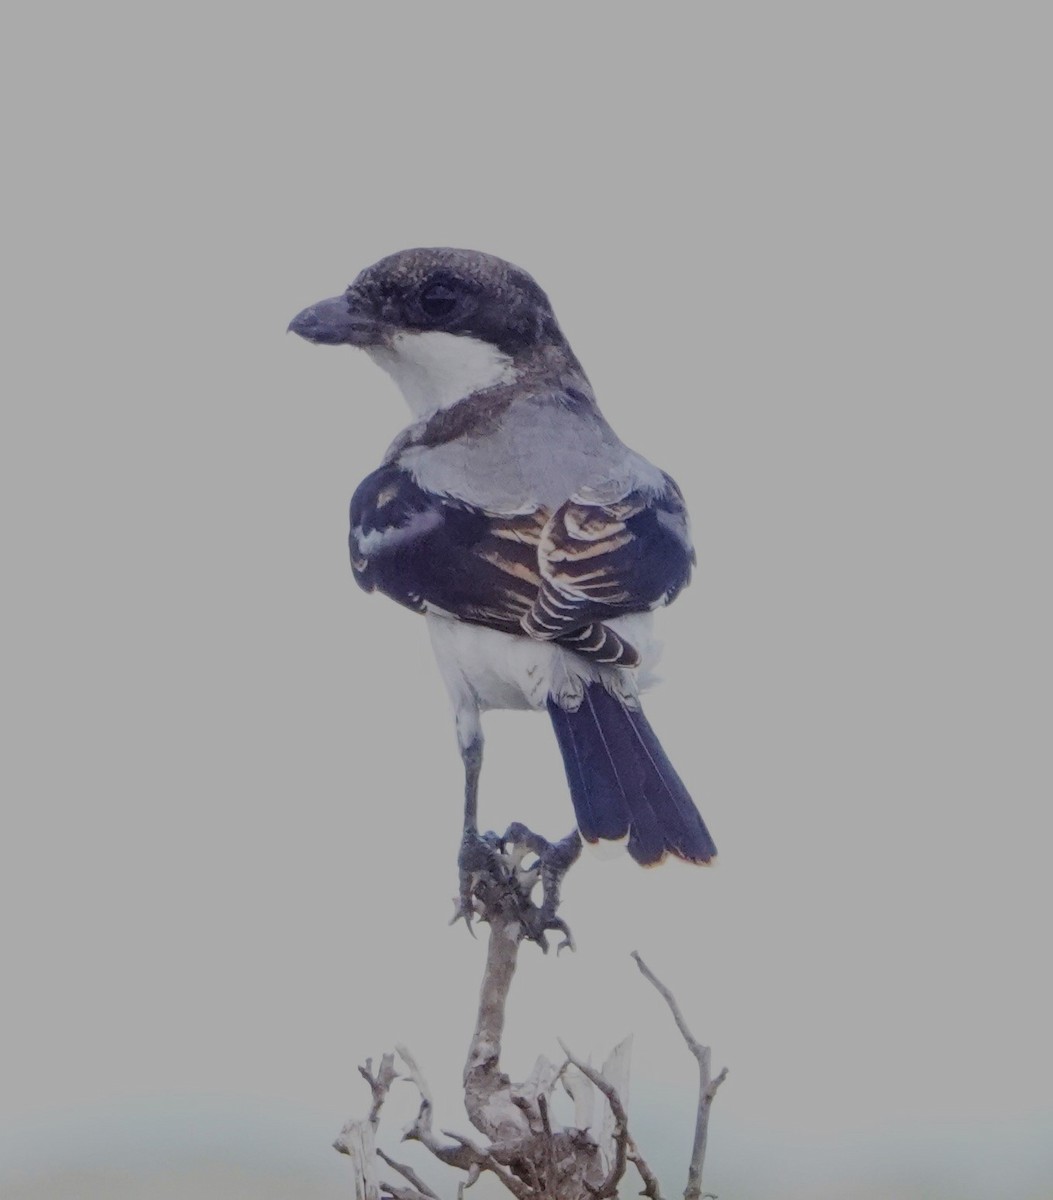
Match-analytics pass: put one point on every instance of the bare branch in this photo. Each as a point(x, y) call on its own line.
point(356, 1141)
point(542, 1104)
point(609, 1186)
point(417, 1078)
point(547, 1148)
point(407, 1172)
point(464, 1154)
point(401, 1193)
point(420, 1128)
point(650, 1180)
point(473, 1174)
point(695, 1047)
point(487, 1162)
point(378, 1084)
point(487, 1089)
point(707, 1085)
point(534, 1091)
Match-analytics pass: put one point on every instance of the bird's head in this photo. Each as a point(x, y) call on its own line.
point(444, 323)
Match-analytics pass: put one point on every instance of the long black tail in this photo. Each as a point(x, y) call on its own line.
point(622, 783)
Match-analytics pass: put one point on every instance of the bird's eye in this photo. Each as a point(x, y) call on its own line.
point(438, 300)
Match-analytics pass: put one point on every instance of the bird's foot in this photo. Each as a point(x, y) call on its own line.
point(478, 861)
point(552, 860)
point(498, 877)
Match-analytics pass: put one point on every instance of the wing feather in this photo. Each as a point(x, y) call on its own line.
point(555, 578)
point(599, 561)
point(432, 553)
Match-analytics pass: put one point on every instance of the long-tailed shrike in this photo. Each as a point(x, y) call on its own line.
point(536, 544)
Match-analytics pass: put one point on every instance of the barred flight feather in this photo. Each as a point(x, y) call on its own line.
point(555, 578)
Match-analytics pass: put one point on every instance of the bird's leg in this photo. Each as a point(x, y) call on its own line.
point(492, 874)
point(472, 757)
point(479, 854)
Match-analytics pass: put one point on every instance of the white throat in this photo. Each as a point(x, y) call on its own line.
point(434, 370)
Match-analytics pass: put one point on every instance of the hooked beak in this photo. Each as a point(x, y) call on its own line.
point(335, 322)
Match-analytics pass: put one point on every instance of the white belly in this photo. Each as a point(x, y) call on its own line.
point(484, 669)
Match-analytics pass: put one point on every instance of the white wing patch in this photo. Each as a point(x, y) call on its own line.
point(393, 536)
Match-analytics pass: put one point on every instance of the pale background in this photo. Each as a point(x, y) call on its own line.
point(803, 251)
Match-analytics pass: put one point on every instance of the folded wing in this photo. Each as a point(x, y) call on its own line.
point(598, 561)
point(435, 554)
point(554, 578)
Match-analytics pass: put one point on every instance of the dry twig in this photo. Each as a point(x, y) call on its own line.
point(379, 1084)
point(407, 1172)
point(609, 1186)
point(707, 1085)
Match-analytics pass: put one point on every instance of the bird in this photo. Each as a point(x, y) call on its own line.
point(535, 543)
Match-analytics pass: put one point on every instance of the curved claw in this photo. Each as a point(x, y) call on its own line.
point(463, 912)
point(568, 940)
point(543, 923)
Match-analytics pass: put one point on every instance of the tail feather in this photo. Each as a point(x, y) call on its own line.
point(602, 811)
point(622, 782)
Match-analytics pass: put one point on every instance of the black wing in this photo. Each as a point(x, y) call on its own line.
point(599, 561)
point(553, 579)
point(435, 554)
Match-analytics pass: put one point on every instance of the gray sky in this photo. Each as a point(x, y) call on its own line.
point(803, 252)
